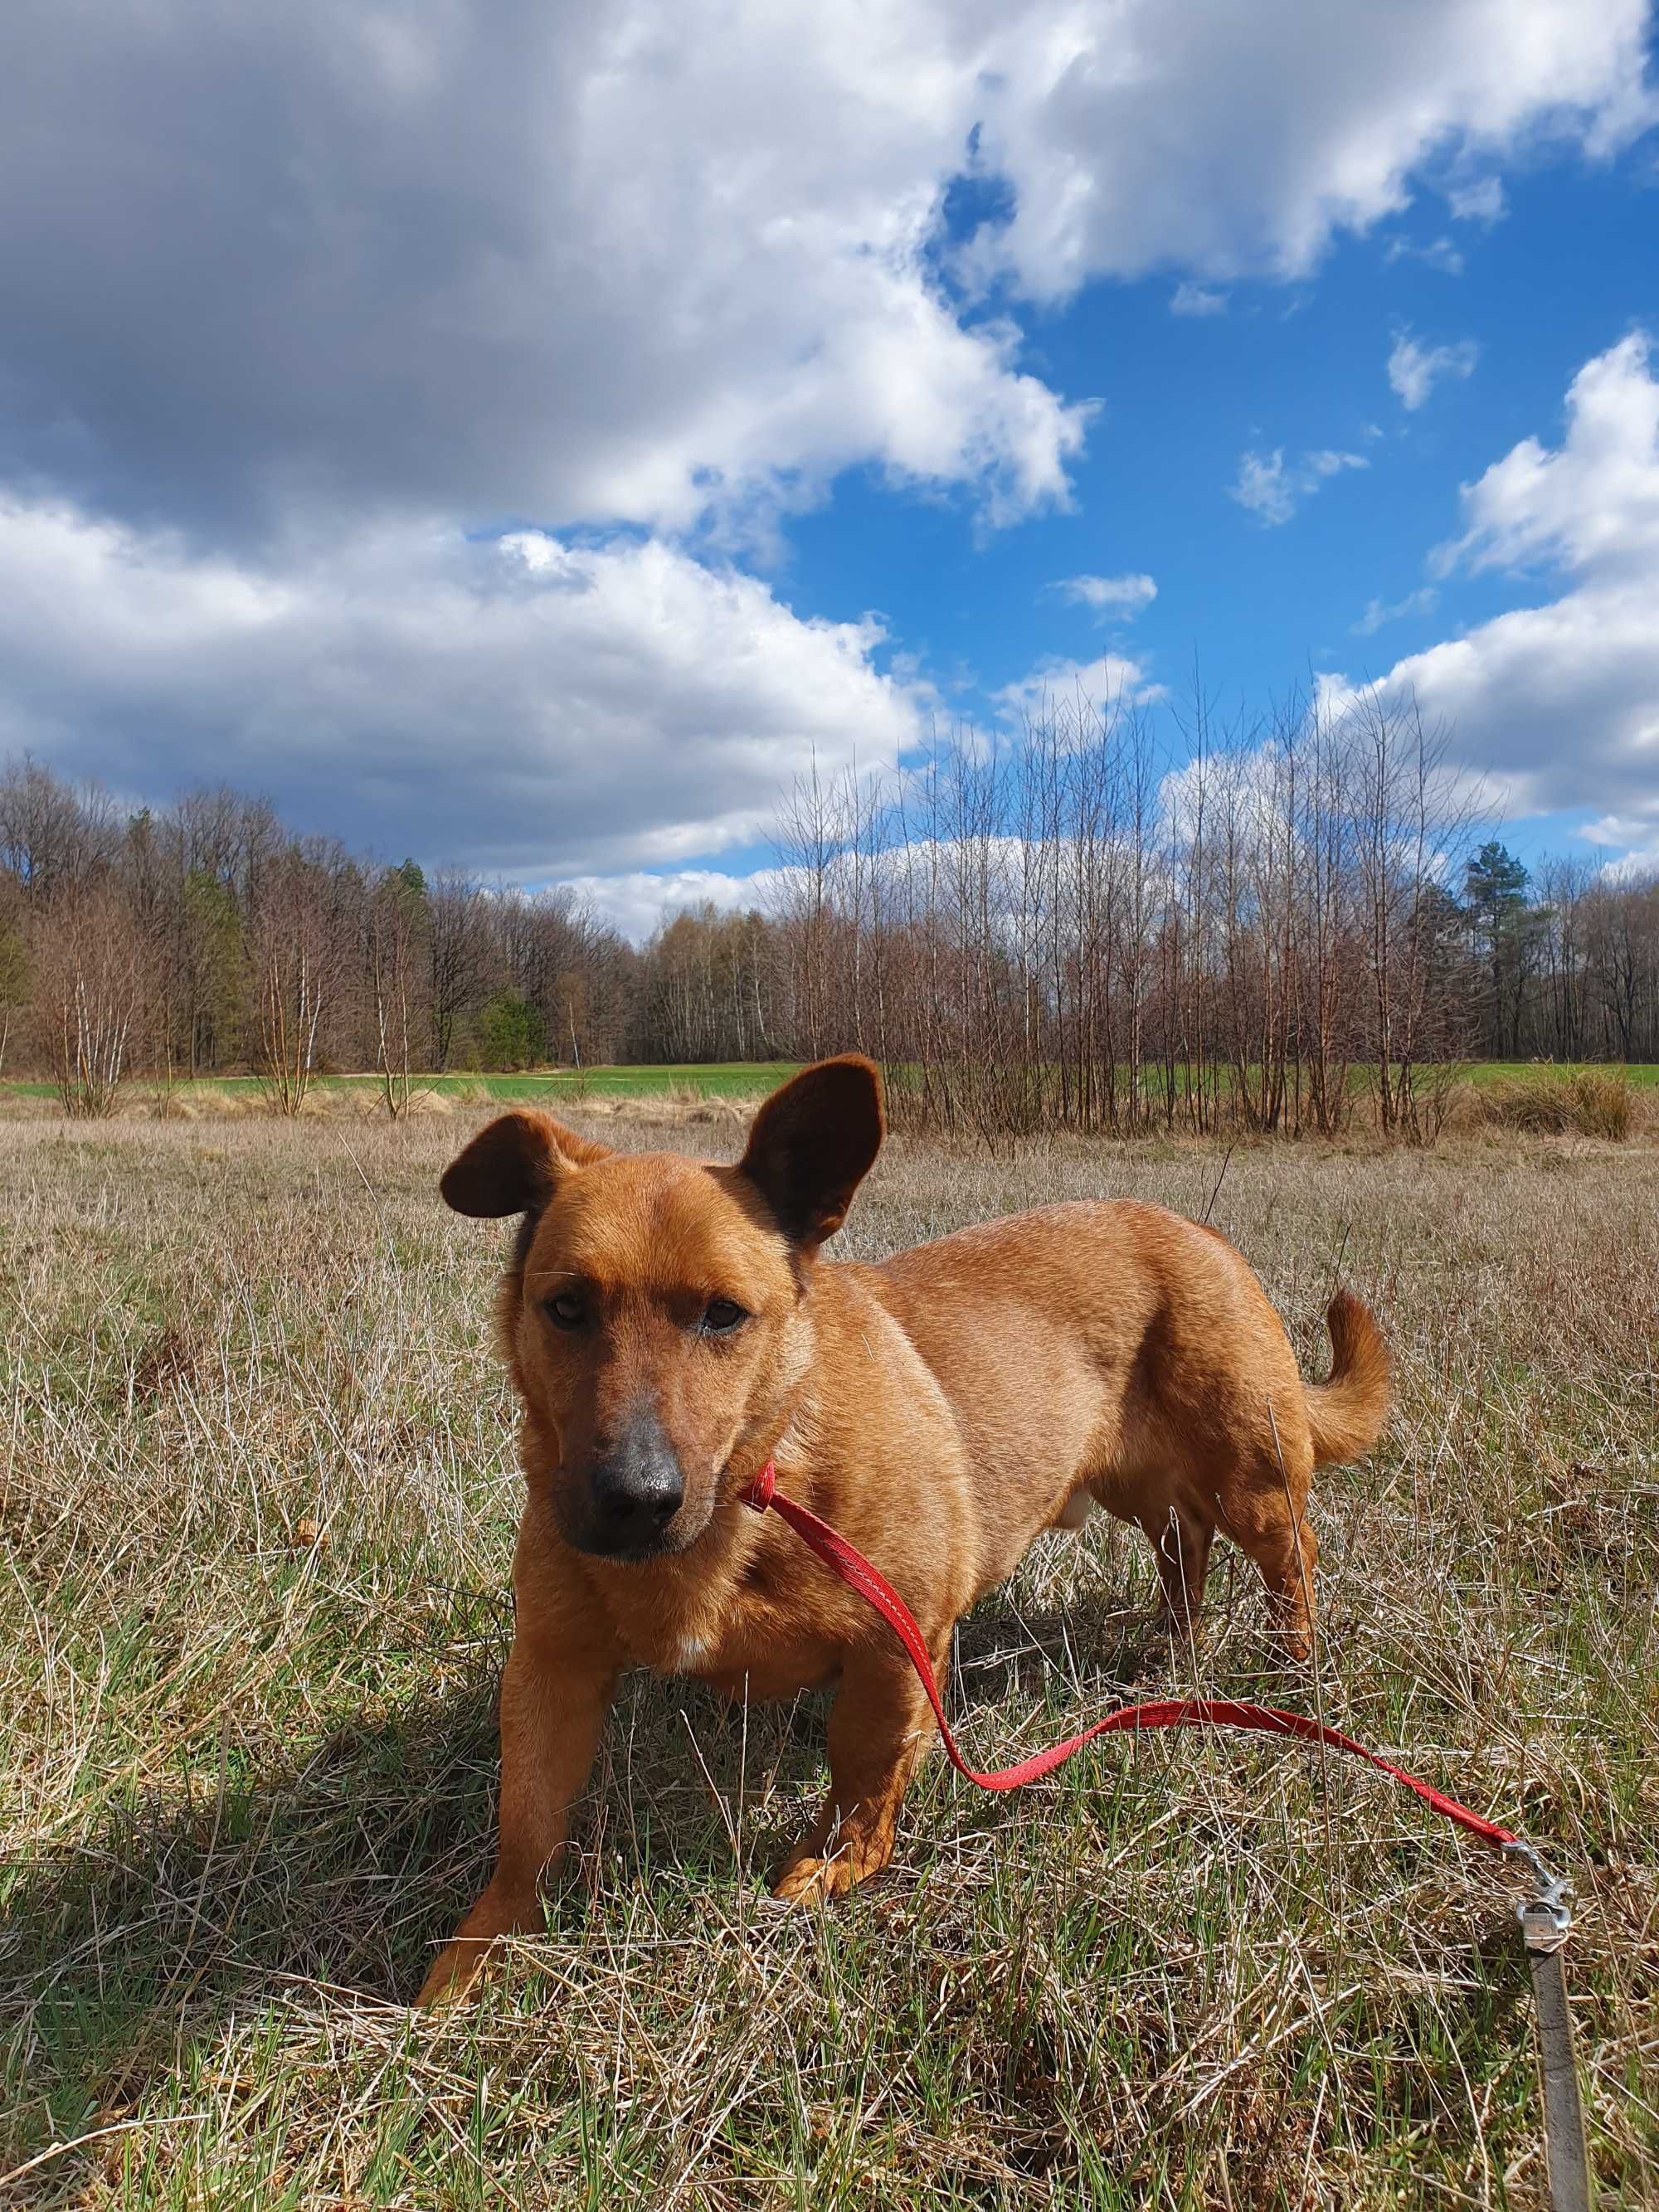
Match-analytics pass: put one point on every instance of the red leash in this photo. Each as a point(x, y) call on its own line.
point(854, 1570)
point(1545, 1919)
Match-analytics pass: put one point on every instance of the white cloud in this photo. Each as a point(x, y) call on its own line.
point(1480, 201)
point(629, 261)
point(633, 262)
point(1592, 506)
point(1062, 689)
point(1414, 370)
point(1273, 492)
point(638, 902)
point(1442, 253)
point(1376, 613)
point(1263, 487)
point(1559, 702)
point(1224, 141)
point(524, 705)
point(1125, 596)
point(295, 295)
point(1191, 299)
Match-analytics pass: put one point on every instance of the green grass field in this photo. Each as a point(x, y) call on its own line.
point(735, 1079)
point(567, 1088)
point(256, 1517)
point(1645, 1073)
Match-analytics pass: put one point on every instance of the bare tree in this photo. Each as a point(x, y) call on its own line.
point(398, 968)
point(54, 839)
point(460, 957)
point(92, 990)
point(14, 960)
point(293, 974)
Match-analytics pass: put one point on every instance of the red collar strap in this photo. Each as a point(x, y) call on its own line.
point(873, 1587)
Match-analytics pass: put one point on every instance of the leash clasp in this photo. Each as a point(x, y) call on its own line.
point(1545, 1917)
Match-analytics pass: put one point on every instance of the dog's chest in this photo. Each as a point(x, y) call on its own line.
point(747, 1646)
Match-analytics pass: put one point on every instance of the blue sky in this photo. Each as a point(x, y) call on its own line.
point(529, 442)
point(1572, 267)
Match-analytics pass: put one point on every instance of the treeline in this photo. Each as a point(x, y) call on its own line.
point(204, 939)
point(1053, 929)
point(1060, 930)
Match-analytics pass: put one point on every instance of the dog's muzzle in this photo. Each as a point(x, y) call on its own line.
point(635, 1488)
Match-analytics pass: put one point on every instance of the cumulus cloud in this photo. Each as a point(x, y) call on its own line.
point(1559, 702)
point(638, 902)
point(1124, 596)
point(1273, 492)
point(1590, 507)
point(297, 296)
point(599, 263)
point(625, 261)
point(523, 705)
point(1229, 141)
point(1414, 370)
point(1061, 689)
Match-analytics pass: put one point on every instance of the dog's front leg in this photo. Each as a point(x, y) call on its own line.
point(879, 1726)
point(554, 1701)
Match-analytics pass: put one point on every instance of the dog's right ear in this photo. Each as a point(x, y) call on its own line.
point(514, 1166)
point(812, 1144)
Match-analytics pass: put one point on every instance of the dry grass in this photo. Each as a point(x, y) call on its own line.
point(255, 1519)
point(1595, 1101)
point(682, 1105)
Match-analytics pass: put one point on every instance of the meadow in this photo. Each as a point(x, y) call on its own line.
point(256, 1514)
point(675, 1083)
point(551, 1086)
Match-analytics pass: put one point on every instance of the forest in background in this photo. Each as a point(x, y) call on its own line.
point(1051, 928)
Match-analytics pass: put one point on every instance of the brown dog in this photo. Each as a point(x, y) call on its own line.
point(668, 1328)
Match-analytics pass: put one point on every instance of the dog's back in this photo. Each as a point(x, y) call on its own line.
point(1116, 1347)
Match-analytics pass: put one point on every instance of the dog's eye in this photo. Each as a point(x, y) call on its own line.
point(567, 1310)
point(722, 1317)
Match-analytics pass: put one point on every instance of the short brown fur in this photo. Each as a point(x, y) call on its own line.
point(941, 1410)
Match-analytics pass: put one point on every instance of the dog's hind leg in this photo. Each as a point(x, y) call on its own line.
point(880, 1724)
point(1287, 1558)
point(1182, 1544)
point(1273, 1529)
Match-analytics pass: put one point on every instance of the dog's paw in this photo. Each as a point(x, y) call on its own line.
point(458, 1973)
point(476, 1950)
point(810, 1875)
point(810, 1879)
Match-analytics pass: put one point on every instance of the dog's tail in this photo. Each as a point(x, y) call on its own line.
point(1346, 1414)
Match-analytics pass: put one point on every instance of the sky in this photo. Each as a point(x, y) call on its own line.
point(529, 438)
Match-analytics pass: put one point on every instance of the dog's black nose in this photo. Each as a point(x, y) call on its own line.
point(637, 1488)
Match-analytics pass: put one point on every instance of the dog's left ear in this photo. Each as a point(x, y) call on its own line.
point(514, 1165)
point(812, 1144)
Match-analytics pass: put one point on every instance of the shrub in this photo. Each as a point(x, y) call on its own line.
point(1597, 1101)
point(511, 1033)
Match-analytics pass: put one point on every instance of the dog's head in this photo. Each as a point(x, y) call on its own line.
point(651, 1311)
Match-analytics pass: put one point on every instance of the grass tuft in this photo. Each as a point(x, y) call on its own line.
point(1593, 1101)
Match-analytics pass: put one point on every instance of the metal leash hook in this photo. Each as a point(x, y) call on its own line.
point(1545, 1919)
